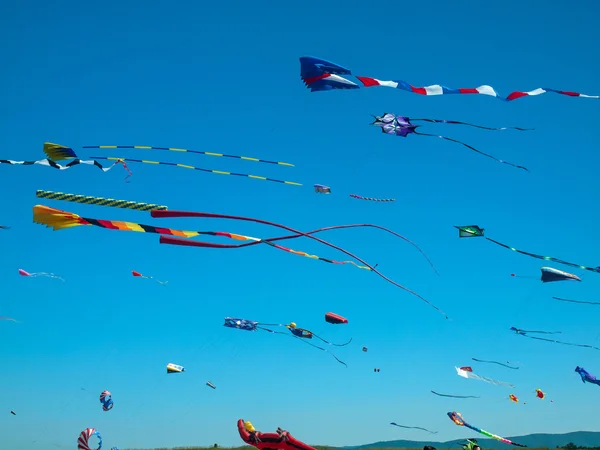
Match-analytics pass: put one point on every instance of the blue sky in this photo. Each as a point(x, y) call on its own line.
point(224, 77)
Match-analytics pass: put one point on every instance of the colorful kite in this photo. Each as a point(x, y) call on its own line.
point(209, 384)
point(183, 150)
point(106, 400)
point(525, 333)
point(175, 368)
point(58, 220)
point(335, 318)
point(280, 440)
point(469, 374)
point(454, 396)
point(84, 438)
point(458, 420)
point(100, 201)
point(477, 231)
point(57, 152)
point(373, 199)
point(416, 428)
point(24, 273)
point(586, 376)
point(137, 274)
point(401, 126)
point(298, 333)
point(575, 301)
point(494, 362)
point(513, 398)
point(322, 189)
point(321, 75)
point(185, 166)
point(541, 395)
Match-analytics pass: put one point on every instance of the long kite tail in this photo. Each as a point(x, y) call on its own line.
point(561, 342)
point(494, 362)
point(454, 122)
point(54, 165)
point(166, 214)
point(546, 258)
point(575, 301)
point(474, 149)
point(331, 343)
point(371, 199)
point(416, 428)
point(183, 150)
point(185, 166)
point(436, 89)
point(454, 396)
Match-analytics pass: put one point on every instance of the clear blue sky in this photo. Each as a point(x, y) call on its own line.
point(224, 77)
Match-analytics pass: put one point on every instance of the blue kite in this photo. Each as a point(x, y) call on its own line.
point(586, 376)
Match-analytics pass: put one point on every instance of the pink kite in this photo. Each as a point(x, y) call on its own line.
point(137, 274)
point(24, 273)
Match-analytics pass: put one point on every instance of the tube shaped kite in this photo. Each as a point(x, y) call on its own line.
point(586, 376)
point(458, 420)
point(83, 442)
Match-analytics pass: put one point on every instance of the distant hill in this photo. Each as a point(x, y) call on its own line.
point(579, 438)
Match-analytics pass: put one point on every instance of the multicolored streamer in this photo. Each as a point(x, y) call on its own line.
point(99, 201)
point(185, 166)
point(458, 420)
point(183, 150)
point(373, 199)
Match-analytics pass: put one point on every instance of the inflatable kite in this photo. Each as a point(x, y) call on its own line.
point(24, 273)
point(466, 231)
point(401, 126)
point(513, 398)
point(335, 318)
point(322, 75)
point(209, 384)
point(58, 220)
point(322, 189)
point(100, 201)
point(137, 274)
point(106, 400)
point(454, 396)
point(175, 368)
point(280, 440)
point(458, 420)
point(84, 438)
point(525, 333)
point(373, 199)
point(416, 428)
point(298, 333)
point(586, 376)
point(495, 362)
point(469, 374)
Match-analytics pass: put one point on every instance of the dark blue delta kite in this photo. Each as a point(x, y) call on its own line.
point(466, 231)
point(322, 75)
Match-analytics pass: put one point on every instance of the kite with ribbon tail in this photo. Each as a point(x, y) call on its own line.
point(24, 273)
point(458, 420)
point(298, 333)
point(322, 75)
point(467, 372)
point(137, 274)
point(466, 231)
point(416, 428)
point(58, 220)
point(525, 333)
point(402, 126)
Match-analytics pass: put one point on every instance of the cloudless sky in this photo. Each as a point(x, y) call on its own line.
point(225, 77)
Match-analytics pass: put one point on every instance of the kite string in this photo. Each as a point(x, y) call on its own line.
point(169, 214)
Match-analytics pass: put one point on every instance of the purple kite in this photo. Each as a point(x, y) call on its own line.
point(586, 376)
point(401, 126)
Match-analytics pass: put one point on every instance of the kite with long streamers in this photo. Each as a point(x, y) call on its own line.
point(137, 274)
point(469, 374)
point(466, 231)
point(586, 376)
point(58, 220)
point(454, 396)
point(575, 301)
point(525, 334)
point(185, 166)
point(106, 400)
point(171, 214)
point(61, 219)
point(322, 75)
point(183, 150)
point(298, 333)
point(24, 273)
point(75, 162)
point(83, 442)
point(373, 199)
point(416, 428)
point(402, 126)
point(99, 201)
point(458, 420)
point(495, 362)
